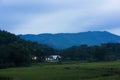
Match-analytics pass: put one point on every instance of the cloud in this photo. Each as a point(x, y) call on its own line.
point(54, 16)
point(115, 30)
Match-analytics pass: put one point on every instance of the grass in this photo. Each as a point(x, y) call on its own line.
point(64, 71)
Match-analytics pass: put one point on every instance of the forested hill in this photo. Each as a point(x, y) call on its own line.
point(103, 52)
point(65, 40)
point(15, 51)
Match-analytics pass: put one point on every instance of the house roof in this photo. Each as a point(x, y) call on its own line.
point(55, 56)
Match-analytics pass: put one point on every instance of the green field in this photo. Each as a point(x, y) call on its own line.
point(65, 71)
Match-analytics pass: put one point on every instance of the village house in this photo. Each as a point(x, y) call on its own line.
point(53, 58)
point(34, 58)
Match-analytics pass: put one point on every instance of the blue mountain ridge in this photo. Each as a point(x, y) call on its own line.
point(65, 40)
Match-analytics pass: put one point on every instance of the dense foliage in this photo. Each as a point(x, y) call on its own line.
point(104, 52)
point(18, 52)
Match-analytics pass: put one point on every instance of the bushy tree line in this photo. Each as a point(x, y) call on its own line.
point(18, 52)
point(103, 52)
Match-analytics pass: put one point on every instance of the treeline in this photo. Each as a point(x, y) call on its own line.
point(15, 51)
point(103, 52)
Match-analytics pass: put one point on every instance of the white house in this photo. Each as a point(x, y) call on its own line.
point(53, 58)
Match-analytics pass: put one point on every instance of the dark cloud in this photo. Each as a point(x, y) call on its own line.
point(54, 16)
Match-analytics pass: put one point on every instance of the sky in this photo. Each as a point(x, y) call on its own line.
point(59, 16)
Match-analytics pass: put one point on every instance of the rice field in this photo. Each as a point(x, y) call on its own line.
point(64, 71)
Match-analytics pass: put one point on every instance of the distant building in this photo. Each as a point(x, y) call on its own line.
point(34, 58)
point(53, 58)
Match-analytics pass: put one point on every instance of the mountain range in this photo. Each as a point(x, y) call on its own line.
point(66, 40)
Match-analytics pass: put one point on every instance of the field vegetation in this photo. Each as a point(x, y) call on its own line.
point(64, 71)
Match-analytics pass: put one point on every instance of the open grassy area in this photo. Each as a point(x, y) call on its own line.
point(65, 71)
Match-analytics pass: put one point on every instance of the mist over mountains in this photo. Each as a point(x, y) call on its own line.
point(65, 40)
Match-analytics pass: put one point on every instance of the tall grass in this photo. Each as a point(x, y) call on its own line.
point(64, 71)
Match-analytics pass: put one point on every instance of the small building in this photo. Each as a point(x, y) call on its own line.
point(34, 58)
point(53, 58)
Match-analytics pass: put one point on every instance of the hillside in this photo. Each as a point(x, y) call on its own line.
point(65, 40)
point(15, 51)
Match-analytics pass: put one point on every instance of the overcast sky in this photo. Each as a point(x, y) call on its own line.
point(59, 16)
